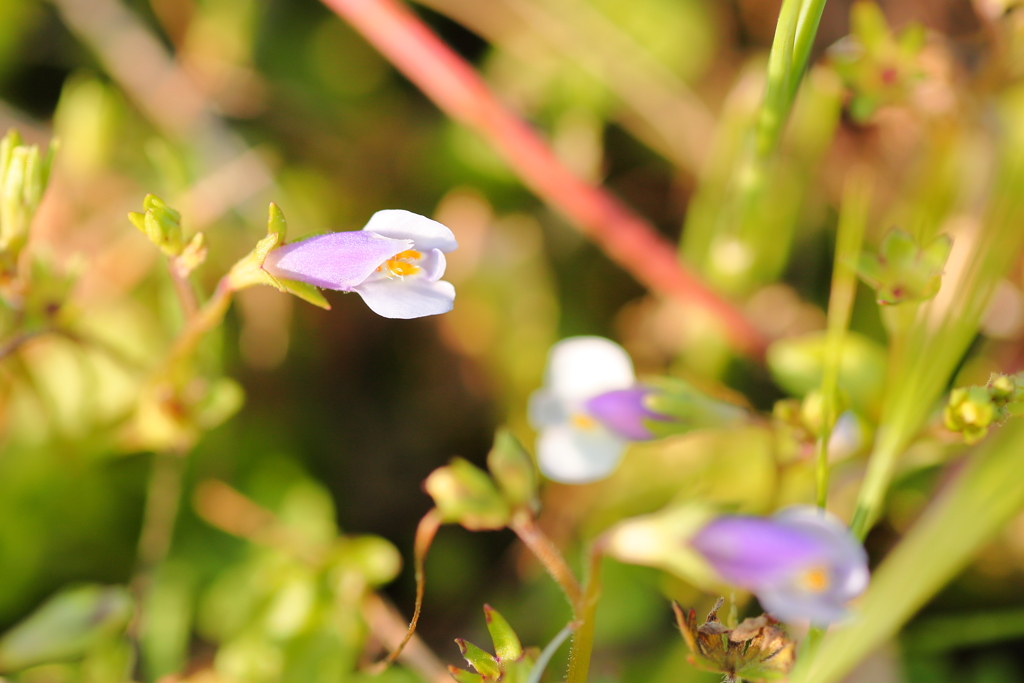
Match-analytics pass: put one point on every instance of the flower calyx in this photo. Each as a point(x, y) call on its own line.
point(903, 270)
point(878, 67)
point(755, 649)
point(972, 410)
point(250, 271)
point(464, 494)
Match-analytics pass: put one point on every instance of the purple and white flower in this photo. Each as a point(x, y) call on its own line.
point(801, 564)
point(394, 263)
point(588, 411)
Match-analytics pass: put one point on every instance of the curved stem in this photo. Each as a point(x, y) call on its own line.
point(541, 546)
point(425, 533)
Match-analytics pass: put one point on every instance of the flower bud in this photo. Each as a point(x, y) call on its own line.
point(796, 366)
point(24, 174)
point(466, 495)
point(160, 223)
point(512, 469)
point(970, 411)
point(903, 270)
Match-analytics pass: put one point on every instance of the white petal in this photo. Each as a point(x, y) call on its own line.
point(546, 410)
point(406, 225)
point(574, 456)
point(411, 297)
point(433, 264)
point(580, 368)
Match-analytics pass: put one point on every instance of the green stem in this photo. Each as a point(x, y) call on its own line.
point(205, 320)
point(163, 499)
point(544, 550)
point(850, 237)
point(583, 643)
point(889, 444)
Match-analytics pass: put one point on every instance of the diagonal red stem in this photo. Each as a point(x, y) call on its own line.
point(459, 91)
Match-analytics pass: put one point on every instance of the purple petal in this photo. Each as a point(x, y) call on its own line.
point(337, 260)
point(756, 551)
point(801, 564)
point(623, 412)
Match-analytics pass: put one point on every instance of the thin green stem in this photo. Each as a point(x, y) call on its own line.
point(583, 643)
point(549, 651)
point(205, 320)
point(163, 500)
point(850, 237)
point(544, 550)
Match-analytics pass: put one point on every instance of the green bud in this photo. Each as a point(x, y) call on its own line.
point(375, 558)
point(465, 494)
point(506, 643)
point(24, 174)
point(970, 411)
point(796, 366)
point(67, 626)
point(161, 224)
point(903, 270)
point(512, 469)
point(1002, 388)
point(484, 663)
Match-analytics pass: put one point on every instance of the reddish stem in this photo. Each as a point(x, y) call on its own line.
point(460, 92)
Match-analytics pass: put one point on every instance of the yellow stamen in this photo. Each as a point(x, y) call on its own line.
point(400, 264)
point(815, 580)
point(581, 421)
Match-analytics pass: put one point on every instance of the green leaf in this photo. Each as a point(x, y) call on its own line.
point(305, 291)
point(66, 626)
point(506, 642)
point(463, 676)
point(483, 662)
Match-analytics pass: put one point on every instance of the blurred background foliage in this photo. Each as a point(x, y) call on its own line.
point(219, 106)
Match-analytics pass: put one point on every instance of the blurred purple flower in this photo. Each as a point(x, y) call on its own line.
point(394, 263)
point(802, 563)
point(588, 411)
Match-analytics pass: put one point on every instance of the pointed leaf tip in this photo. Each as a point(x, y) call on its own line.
point(276, 223)
point(507, 646)
point(480, 660)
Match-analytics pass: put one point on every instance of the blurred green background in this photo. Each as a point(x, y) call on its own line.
point(220, 106)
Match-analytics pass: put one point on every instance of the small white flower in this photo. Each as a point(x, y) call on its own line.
point(574, 446)
point(394, 263)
